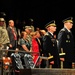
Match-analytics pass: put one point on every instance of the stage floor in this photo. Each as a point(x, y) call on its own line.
point(55, 71)
point(46, 71)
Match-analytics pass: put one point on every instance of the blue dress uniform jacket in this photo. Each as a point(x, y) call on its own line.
point(66, 41)
point(50, 46)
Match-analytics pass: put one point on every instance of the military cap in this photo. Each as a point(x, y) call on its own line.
point(69, 19)
point(28, 27)
point(51, 23)
point(2, 19)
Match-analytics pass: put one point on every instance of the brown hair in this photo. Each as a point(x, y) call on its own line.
point(22, 34)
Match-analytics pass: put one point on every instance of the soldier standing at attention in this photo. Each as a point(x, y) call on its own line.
point(66, 42)
point(50, 43)
point(4, 38)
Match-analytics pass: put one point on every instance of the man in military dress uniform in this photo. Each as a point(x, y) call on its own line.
point(66, 42)
point(50, 43)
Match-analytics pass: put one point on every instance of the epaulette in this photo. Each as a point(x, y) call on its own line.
point(44, 38)
point(62, 30)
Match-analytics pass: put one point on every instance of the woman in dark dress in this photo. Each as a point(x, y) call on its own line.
point(26, 46)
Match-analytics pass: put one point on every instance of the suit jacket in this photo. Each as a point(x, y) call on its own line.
point(11, 36)
point(66, 41)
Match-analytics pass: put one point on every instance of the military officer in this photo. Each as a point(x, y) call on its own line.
point(66, 42)
point(50, 43)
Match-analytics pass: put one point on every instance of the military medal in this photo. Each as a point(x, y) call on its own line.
point(68, 36)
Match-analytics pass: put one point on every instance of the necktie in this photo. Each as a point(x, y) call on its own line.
point(13, 31)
